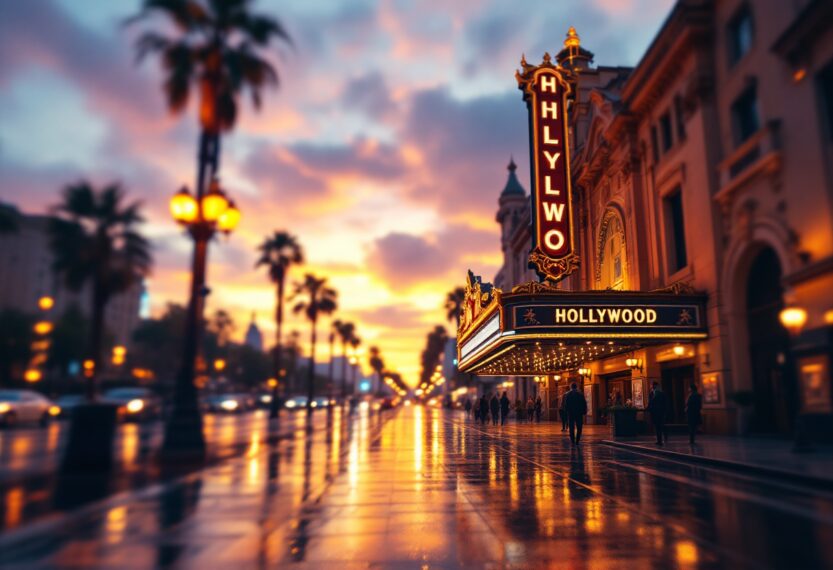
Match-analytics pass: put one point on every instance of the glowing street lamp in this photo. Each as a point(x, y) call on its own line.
point(678, 349)
point(45, 303)
point(793, 319)
point(203, 215)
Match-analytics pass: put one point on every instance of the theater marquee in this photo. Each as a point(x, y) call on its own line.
point(545, 89)
point(538, 328)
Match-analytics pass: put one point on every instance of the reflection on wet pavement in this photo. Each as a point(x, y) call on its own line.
point(420, 486)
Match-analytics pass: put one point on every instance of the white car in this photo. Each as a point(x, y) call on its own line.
point(22, 406)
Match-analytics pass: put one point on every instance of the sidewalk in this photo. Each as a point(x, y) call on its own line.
point(768, 457)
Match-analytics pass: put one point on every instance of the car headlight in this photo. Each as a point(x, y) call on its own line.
point(54, 410)
point(314, 405)
point(135, 406)
point(229, 405)
point(266, 398)
point(290, 404)
point(4, 407)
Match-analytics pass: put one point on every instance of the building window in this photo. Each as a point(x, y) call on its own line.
point(680, 118)
point(825, 83)
point(745, 118)
point(666, 132)
point(654, 144)
point(741, 33)
point(675, 231)
point(613, 257)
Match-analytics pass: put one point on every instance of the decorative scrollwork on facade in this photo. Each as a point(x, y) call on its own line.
point(678, 288)
point(535, 287)
point(553, 269)
point(480, 299)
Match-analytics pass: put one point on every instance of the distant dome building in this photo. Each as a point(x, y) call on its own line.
point(254, 338)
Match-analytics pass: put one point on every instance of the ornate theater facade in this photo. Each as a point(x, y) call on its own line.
point(679, 227)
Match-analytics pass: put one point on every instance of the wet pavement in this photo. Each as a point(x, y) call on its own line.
point(29, 458)
point(423, 488)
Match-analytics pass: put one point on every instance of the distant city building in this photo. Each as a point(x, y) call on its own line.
point(254, 338)
point(26, 276)
point(708, 165)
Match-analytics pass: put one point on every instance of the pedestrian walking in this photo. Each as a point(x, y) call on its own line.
point(484, 409)
point(467, 407)
point(657, 408)
point(530, 409)
point(539, 407)
point(576, 406)
point(520, 412)
point(562, 409)
point(494, 407)
point(504, 408)
point(693, 409)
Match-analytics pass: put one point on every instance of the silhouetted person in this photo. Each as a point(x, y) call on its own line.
point(467, 407)
point(484, 409)
point(520, 412)
point(530, 409)
point(657, 407)
point(562, 409)
point(576, 407)
point(693, 408)
point(504, 408)
point(494, 407)
point(539, 407)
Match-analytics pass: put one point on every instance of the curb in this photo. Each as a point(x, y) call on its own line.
point(791, 476)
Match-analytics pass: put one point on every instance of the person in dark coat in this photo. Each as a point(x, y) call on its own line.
point(562, 409)
point(494, 407)
point(539, 407)
point(657, 408)
point(576, 407)
point(530, 409)
point(693, 409)
point(504, 408)
point(467, 407)
point(520, 412)
point(484, 409)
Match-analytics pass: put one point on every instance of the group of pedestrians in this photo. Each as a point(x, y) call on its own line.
point(658, 407)
point(494, 409)
point(573, 408)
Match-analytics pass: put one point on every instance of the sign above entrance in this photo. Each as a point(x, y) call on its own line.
point(545, 88)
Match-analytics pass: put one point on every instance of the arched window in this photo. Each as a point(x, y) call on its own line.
point(612, 263)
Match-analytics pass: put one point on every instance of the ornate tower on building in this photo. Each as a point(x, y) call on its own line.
point(254, 338)
point(512, 205)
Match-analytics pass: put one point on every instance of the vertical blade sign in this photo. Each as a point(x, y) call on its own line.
point(545, 91)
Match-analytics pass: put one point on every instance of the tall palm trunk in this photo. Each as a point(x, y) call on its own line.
point(99, 303)
point(330, 371)
point(274, 408)
point(343, 370)
point(311, 377)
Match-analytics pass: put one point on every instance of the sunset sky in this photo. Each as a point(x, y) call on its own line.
point(384, 149)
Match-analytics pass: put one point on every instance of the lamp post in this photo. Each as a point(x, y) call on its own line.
point(202, 216)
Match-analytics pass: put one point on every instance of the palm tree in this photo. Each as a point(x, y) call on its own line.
point(355, 341)
point(454, 304)
point(334, 326)
point(377, 364)
point(314, 298)
point(346, 332)
point(94, 240)
point(215, 51)
point(278, 253)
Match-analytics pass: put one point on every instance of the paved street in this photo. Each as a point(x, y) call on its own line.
point(421, 487)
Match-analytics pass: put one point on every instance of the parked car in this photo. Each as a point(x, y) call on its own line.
point(25, 406)
point(67, 403)
point(135, 404)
